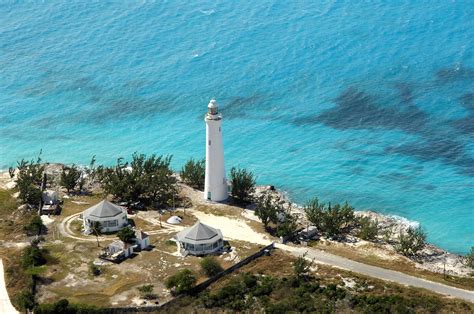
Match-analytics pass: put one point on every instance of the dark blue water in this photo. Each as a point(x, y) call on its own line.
point(368, 102)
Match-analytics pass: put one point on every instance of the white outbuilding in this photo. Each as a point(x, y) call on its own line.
point(200, 239)
point(111, 217)
point(142, 239)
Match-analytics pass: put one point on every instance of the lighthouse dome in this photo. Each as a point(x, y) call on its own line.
point(212, 107)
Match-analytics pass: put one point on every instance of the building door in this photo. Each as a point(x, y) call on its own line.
point(209, 195)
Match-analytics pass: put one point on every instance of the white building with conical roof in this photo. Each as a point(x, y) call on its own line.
point(200, 239)
point(215, 184)
point(111, 217)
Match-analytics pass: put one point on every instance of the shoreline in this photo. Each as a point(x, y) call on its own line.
point(432, 257)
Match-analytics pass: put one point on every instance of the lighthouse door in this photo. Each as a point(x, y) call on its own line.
point(209, 195)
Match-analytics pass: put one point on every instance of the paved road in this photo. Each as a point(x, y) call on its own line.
point(377, 272)
point(5, 304)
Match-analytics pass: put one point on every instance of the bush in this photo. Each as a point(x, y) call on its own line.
point(411, 242)
point(145, 179)
point(193, 173)
point(32, 256)
point(28, 180)
point(146, 292)
point(181, 282)
point(210, 266)
point(94, 269)
point(64, 307)
point(368, 228)
point(333, 221)
point(70, 177)
point(267, 208)
point(25, 300)
point(243, 185)
point(126, 234)
point(35, 227)
point(301, 266)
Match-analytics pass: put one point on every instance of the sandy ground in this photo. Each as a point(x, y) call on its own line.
point(5, 304)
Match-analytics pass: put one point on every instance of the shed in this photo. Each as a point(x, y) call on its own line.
point(142, 239)
point(111, 217)
point(200, 239)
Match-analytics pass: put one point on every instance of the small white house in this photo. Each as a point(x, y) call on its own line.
point(117, 251)
point(111, 217)
point(200, 239)
point(142, 239)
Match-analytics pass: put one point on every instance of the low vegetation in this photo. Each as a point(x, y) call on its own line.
point(146, 292)
point(35, 227)
point(63, 306)
point(411, 241)
point(243, 185)
point(126, 234)
point(181, 282)
point(210, 266)
point(70, 177)
point(333, 221)
point(193, 173)
point(28, 180)
point(368, 229)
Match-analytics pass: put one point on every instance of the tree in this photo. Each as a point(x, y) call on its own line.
point(411, 242)
point(181, 282)
point(32, 256)
point(28, 180)
point(368, 228)
point(210, 266)
point(193, 173)
point(333, 221)
point(11, 172)
point(301, 266)
point(243, 184)
point(287, 227)
point(126, 234)
point(70, 177)
point(146, 179)
point(35, 227)
point(25, 300)
point(96, 229)
point(267, 208)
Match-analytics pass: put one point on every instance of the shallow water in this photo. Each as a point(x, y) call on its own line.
point(371, 103)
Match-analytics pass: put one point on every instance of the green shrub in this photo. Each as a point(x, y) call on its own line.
point(146, 292)
point(32, 256)
point(70, 177)
point(411, 242)
point(210, 266)
point(193, 173)
point(333, 221)
point(181, 282)
point(35, 227)
point(126, 234)
point(28, 180)
point(368, 228)
point(25, 300)
point(94, 269)
point(243, 185)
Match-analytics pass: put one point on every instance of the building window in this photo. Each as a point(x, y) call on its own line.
point(219, 129)
point(209, 142)
point(113, 223)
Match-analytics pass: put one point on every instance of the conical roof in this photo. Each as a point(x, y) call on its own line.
point(104, 209)
point(199, 232)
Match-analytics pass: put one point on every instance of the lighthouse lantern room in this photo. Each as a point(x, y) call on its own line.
point(215, 185)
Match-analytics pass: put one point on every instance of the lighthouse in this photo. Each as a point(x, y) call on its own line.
point(215, 185)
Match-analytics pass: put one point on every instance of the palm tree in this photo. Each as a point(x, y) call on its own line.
point(96, 230)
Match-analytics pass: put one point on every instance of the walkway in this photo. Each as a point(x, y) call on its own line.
point(5, 304)
point(377, 272)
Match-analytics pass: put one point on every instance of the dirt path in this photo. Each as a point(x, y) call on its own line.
point(5, 304)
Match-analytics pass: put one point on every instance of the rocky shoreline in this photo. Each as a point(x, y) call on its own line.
point(431, 257)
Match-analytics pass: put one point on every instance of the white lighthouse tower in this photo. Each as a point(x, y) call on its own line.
point(215, 185)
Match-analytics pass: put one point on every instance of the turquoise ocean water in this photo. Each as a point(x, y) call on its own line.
point(370, 102)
